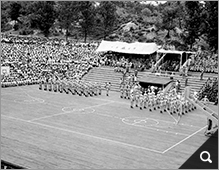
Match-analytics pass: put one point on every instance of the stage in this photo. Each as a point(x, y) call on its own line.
point(155, 81)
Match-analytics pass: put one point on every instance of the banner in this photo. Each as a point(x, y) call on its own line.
point(5, 70)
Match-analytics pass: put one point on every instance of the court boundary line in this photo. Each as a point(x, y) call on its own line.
point(105, 139)
point(53, 104)
point(111, 101)
point(178, 143)
point(86, 135)
point(172, 116)
point(153, 127)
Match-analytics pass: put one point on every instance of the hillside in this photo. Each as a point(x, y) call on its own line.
point(185, 25)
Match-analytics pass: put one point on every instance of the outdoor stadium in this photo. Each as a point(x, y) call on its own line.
point(109, 85)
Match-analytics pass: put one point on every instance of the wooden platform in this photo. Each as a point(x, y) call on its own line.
point(41, 129)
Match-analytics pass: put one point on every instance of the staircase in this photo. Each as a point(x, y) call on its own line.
point(107, 74)
point(102, 75)
point(194, 82)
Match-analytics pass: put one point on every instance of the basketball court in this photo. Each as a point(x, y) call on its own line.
point(42, 129)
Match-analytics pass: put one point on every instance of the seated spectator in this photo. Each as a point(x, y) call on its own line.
point(30, 59)
point(205, 61)
point(209, 89)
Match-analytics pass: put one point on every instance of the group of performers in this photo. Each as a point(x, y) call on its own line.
point(125, 90)
point(154, 98)
point(71, 86)
point(74, 86)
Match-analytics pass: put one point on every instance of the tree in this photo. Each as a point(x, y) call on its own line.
point(146, 12)
point(211, 20)
point(107, 11)
point(193, 21)
point(67, 14)
point(14, 11)
point(168, 15)
point(43, 15)
point(4, 14)
point(86, 17)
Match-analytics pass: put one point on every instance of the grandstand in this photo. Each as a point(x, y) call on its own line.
point(104, 74)
point(107, 74)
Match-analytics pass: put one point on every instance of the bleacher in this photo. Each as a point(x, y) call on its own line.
point(107, 74)
point(102, 75)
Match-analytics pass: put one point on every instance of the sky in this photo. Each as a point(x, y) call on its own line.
point(154, 2)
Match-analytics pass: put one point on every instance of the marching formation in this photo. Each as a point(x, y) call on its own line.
point(154, 98)
point(74, 87)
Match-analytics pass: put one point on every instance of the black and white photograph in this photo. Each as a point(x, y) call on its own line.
point(109, 84)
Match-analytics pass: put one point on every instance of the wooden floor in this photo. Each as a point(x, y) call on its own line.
point(41, 129)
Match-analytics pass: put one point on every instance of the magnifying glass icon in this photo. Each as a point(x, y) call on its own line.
point(208, 158)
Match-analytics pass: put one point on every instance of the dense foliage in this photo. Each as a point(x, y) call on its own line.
point(185, 25)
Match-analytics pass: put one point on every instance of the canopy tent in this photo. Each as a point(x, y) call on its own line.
point(130, 48)
point(183, 55)
point(174, 52)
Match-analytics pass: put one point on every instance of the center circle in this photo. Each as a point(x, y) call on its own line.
point(29, 101)
point(140, 121)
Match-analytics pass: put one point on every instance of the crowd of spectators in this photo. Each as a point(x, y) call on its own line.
point(170, 65)
point(120, 62)
point(210, 89)
point(206, 62)
point(30, 58)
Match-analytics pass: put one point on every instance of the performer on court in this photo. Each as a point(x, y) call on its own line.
point(107, 86)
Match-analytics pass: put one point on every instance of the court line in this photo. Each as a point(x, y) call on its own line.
point(12, 93)
point(175, 120)
point(183, 124)
point(28, 94)
point(156, 129)
point(184, 139)
point(53, 104)
point(111, 100)
point(66, 112)
point(86, 135)
point(56, 105)
point(172, 116)
point(45, 102)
